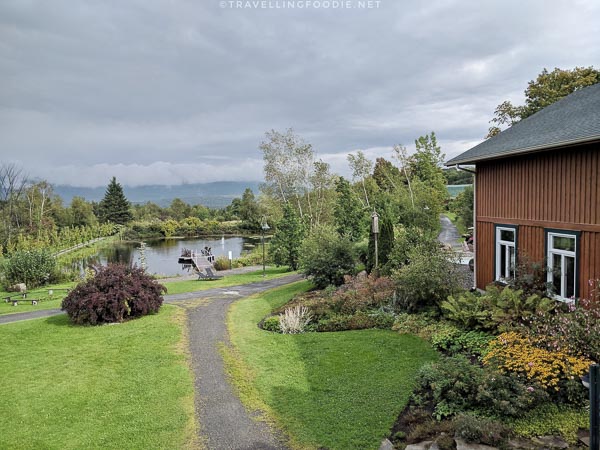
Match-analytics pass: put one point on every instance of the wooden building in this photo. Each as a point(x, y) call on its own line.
point(537, 195)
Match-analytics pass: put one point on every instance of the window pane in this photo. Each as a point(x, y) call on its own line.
point(563, 243)
point(507, 235)
point(570, 274)
point(503, 261)
point(557, 274)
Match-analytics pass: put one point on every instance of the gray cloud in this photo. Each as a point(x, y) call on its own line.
point(159, 92)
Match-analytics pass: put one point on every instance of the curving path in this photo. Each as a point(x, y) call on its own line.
point(224, 422)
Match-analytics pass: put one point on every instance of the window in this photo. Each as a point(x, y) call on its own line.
point(563, 247)
point(506, 252)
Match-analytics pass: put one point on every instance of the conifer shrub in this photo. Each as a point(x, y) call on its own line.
point(115, 294)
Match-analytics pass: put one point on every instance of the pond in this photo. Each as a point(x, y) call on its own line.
point(162, 254)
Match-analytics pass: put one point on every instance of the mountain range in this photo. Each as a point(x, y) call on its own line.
point(214, 195)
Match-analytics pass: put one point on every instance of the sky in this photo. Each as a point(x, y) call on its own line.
point(175, 91)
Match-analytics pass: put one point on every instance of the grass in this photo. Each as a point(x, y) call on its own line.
point(174, 287)
point(179, 287)
point(121, 386)
point(45, 301)
point(339, 390)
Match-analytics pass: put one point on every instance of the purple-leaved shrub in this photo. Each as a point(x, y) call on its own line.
point(115, 294)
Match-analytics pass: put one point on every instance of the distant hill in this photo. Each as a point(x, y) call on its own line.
point(214, 195)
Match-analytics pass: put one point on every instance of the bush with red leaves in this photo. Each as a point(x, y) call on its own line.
point(117, 293)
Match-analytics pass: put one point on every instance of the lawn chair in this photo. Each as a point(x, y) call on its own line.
point(212, 275)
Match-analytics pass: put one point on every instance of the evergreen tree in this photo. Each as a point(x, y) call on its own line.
point(348, 212)
point(386, 240)
point(285, 244)
point(249, 210)
point(115, 207)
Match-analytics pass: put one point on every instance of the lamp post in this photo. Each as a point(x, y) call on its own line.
point(264, 226)
point(375, 231)
point(592, 382)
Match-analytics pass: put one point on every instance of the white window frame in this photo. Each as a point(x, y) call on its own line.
point(499, 244)
point(550, 251)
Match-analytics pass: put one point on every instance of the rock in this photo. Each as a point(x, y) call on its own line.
point(434, 446)
point(462, 445)
point(521, 444)
point(551, 442)
point(386, 445)
point(420, 446)
point(584, 437)
point(19, 287)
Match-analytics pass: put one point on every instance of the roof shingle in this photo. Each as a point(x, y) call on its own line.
point(573, 119)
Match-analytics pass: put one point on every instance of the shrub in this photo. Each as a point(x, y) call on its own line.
point(505, 395)
point(531, 278)
point(481, 430)
point(221, 263)
point(513, 352)
point(359, 321)
point(455, 385)
point(453, 340)
point(271, 324)
point(326, 257)
point(117, 293)
point(451, 383)
point(501, 308)
point(467, 310)
point(512, 308)
point(407, 240)
point(363, 292)
point(32, 267)
point(294, 320)
point(573, 328)
point(429, 279)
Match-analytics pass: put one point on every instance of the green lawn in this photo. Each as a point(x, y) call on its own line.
point(179, 287)
point(45, 301)
point(334, 390)
point(174, 287)
point(114, 386)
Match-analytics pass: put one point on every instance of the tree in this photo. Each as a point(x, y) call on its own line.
point(249, 210)
point(12, 188)
point(463, 206)
point(348, 213)
point(386, 175)
point(179, 209)
point(115, 207)
point(288, 162)
point(547, 88)
point(361, 170)
point(285, 243)
point(326, 257)
point(81, 213)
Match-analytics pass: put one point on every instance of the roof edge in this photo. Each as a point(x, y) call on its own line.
point(524, 151)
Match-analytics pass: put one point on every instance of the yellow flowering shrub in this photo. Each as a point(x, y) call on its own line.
point(512, 352)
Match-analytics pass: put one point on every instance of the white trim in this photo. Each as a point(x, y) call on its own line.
point(563, 255)
point(505, 246)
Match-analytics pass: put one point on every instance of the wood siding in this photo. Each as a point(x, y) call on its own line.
point(558, 190)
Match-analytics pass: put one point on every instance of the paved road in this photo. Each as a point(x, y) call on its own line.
point(224, 422)
point(449, 234)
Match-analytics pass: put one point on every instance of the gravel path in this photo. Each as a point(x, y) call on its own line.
point(224, 422)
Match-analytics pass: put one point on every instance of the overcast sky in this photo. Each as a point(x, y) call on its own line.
point(165, 92)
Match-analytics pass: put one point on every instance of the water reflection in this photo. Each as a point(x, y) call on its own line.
point(162, 254)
